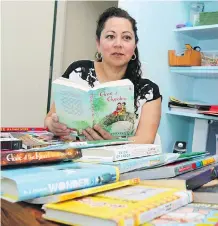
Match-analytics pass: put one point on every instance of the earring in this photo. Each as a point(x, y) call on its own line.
point(134, 57)
point(98, 56)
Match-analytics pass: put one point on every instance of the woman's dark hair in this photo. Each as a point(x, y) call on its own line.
point(133, 72)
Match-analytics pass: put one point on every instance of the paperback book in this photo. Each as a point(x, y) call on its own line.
point(37, 181)
point(128, 206)
point(110, 105)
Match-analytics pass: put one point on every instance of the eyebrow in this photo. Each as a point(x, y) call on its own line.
point(122, 32)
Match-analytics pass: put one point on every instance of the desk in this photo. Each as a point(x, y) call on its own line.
point(23, 214)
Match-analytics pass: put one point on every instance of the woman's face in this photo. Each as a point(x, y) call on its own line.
point(117, 42)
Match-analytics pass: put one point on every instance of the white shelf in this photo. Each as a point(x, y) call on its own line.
point(197, 71)
point(200, 32)
point(192, 115)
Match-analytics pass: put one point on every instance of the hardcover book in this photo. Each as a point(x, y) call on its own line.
point(83, 192)
point(172, 169)
point(36, 139)
point(191, 180)
point(22, 156)
point(110, 105)
point(187, 216)
point(121, 152)
point(32, 182)
point(131, 164)
point(128, 206)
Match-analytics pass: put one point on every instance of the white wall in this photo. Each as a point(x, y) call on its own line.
point(26, 46)
point(79, 41)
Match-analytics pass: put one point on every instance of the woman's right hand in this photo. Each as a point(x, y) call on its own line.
point(56, 127)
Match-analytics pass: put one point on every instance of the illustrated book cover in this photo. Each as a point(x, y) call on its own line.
point(110, 105)
point(37, 181)
point(128, 206)
point(187, 216)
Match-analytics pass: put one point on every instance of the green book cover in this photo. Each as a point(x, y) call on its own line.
point(110, 105)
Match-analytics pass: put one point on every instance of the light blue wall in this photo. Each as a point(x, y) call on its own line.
point(156, 21)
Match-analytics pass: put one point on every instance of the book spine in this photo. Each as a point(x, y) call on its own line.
point(22, 129)
point(11, 144)
point(91, 99)
point(128, 153)
point(186, 167)
point(176, 201)
point(24, 157)
point(202, 178)
point(64, 180)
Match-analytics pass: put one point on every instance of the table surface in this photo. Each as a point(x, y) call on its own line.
point(23, 214)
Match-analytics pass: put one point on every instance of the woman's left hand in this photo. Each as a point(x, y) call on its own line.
point(97, 133)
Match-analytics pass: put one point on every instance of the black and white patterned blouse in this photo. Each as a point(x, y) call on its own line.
point(83, 72)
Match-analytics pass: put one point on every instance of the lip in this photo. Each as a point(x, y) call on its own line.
point(117, 54)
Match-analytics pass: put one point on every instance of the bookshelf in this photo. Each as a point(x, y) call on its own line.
point(192, 115)
point(197, 71)
point(202, 82)
point(157, 33)
point(200, 32)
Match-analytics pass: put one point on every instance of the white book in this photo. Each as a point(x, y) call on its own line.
point(120, 152)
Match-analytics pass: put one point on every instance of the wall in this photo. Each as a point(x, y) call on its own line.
point(26, 46)
point(79, 40)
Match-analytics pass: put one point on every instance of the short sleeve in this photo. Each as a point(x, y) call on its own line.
point(75, 66)
point(149, 91)
point(156, 92)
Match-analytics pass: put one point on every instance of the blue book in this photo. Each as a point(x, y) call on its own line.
point(33, 182)
point(131, 164)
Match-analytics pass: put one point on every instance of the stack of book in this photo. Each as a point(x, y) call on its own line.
point(110, 182)
point(196, 107)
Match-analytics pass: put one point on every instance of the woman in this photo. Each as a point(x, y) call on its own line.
point(117, 58)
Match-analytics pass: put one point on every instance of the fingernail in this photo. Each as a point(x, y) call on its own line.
point(64, 127)
point(95, 126)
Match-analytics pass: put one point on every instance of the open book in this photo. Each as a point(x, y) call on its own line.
point(110, 105)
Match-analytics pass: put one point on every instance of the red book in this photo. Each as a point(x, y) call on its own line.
point(18, 157)
point(22, 129)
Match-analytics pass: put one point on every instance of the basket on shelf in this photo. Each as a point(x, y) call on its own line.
point(190, 57)
point(209, 58)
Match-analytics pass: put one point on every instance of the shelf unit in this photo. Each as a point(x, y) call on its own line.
point(197, 71)
point(200, 32)
point(192, 115)
point(202, 80)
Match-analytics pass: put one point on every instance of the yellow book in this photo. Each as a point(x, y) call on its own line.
point(83, 192)
point(127, 206)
